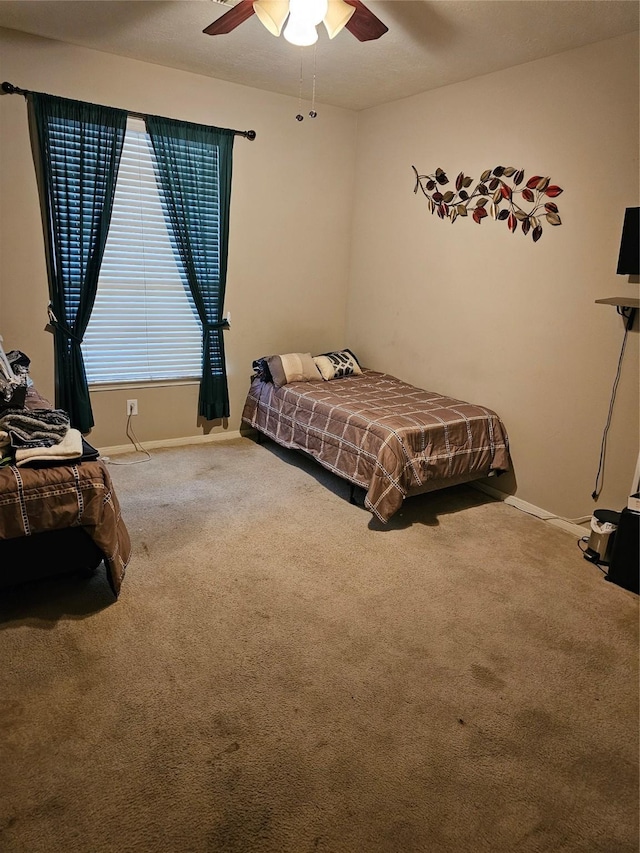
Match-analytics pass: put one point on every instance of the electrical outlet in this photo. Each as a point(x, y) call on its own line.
point(132, 407)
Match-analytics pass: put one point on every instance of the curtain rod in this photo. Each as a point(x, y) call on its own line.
point(10, 89)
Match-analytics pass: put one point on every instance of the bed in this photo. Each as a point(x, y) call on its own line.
point(60, 518)
point(388, 437)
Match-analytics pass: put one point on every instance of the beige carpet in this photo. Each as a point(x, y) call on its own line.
point(284, 674)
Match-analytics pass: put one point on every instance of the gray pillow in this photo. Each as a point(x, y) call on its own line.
point(292, 367)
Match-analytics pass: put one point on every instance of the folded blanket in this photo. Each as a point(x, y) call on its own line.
point(35, 427)
point(89, 453)
point(69, 448)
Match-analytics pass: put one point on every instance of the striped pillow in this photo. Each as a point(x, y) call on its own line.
point(336, 365)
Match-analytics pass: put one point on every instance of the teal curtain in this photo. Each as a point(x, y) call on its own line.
point(76, 150)
point(194, 165)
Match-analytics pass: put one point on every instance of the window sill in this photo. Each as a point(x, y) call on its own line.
point(139, 383)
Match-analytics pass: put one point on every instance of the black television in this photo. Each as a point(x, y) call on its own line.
point(629, 257)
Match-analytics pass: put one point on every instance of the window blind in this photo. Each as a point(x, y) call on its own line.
point(144, 326)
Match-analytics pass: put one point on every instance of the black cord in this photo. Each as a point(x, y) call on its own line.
point(596, 492)
point(594, 562)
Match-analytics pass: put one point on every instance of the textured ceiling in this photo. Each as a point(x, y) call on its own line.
point(430, 43)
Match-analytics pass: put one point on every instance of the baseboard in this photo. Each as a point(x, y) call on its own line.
point(212, 438)
point(531, 509)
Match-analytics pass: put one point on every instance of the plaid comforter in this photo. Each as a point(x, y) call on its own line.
point(38, 499)
point(33, 500)
point(382, 434)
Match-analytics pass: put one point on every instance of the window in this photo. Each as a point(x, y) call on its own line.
point(144, 326)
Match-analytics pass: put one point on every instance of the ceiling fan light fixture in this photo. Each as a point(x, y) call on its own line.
point(300, 33)
point(304, 17)
point(272, 14)
point(338, 15)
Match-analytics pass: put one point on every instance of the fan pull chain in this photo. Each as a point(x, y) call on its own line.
point(313, 112)
point(300, 117)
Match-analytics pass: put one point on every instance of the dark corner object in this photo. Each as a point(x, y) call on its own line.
point(625, 557)
point(617, 548)
point(10, 89)
point(629, 257)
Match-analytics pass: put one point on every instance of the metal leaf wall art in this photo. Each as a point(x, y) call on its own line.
point(494, 196)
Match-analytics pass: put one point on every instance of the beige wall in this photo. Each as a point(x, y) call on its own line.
point(473, 311)
point(289, 234)
point(482, 314)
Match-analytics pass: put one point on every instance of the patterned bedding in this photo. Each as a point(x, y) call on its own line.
point(34, 500)
point(38, 499)
point(382, 434)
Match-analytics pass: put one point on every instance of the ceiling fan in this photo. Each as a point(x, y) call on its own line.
point(302, 17)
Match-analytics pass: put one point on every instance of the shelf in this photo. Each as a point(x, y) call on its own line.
point(625, 305)
point(621, 301)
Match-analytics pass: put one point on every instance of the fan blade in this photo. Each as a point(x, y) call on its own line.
point(231, 19)
point(363, 24)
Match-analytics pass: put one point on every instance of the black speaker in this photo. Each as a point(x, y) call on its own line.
point(629, 257)
point(624, 568)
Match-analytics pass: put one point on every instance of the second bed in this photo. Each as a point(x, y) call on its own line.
point(382, 434)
